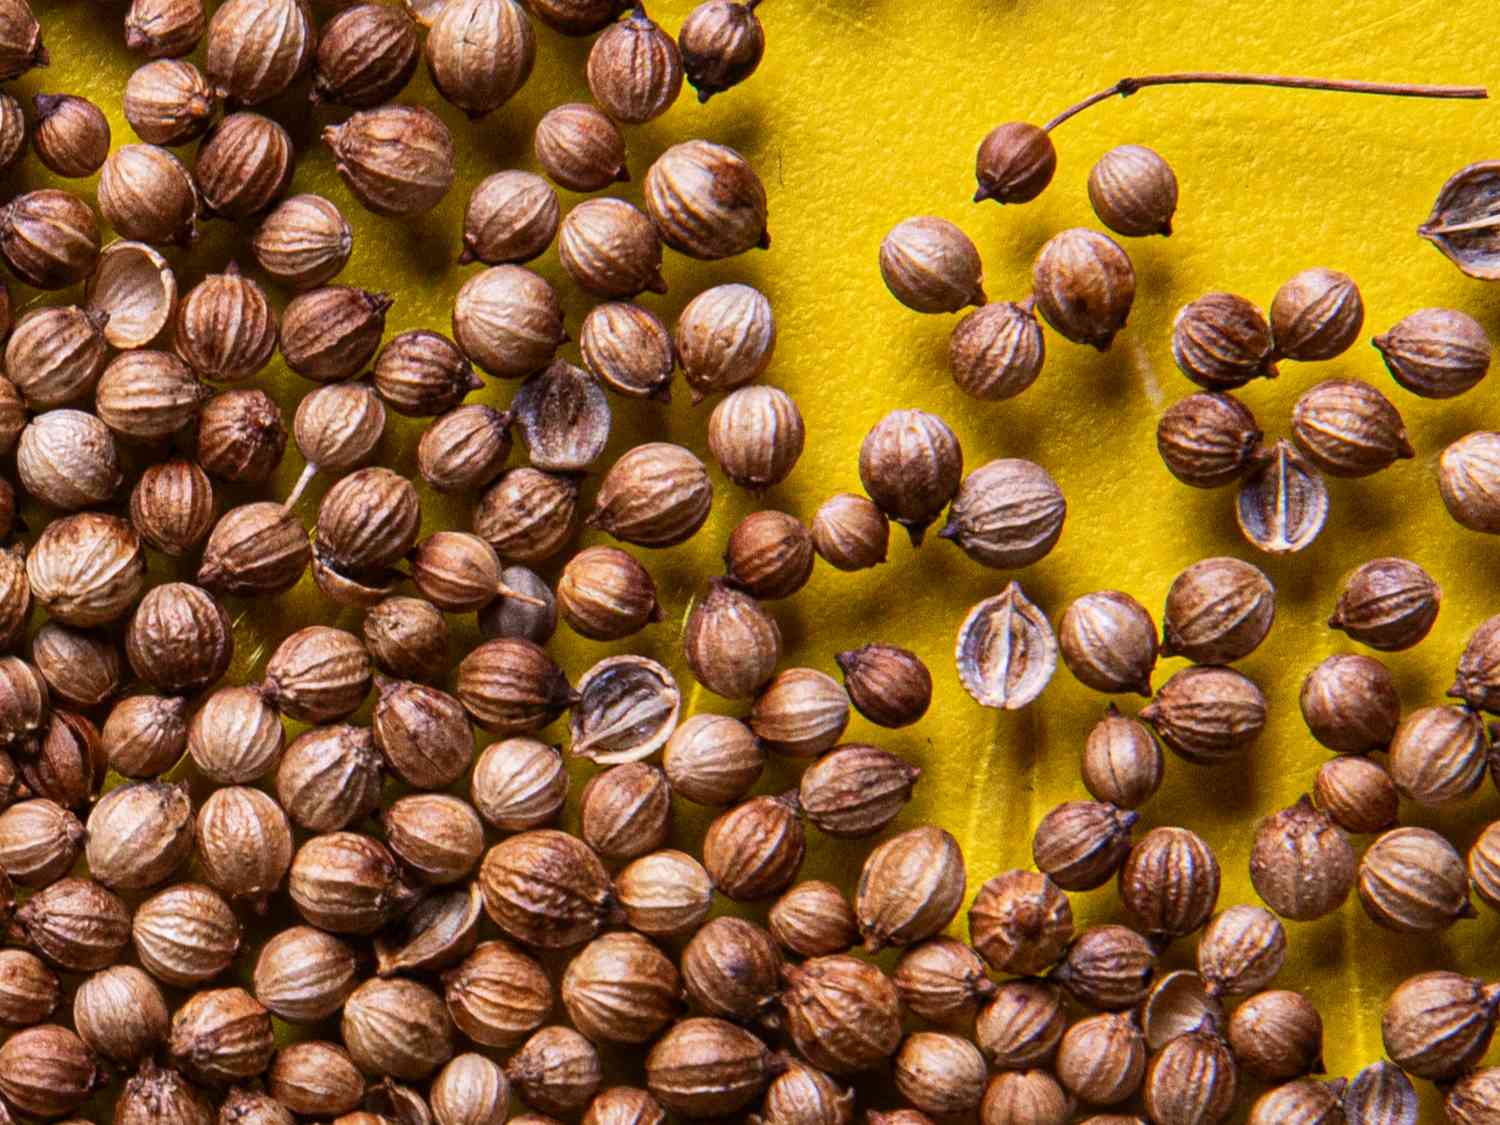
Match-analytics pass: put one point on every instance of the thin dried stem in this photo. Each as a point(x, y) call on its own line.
point(309, 471)
point(1127, 86)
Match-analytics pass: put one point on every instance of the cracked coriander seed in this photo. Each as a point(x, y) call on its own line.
point(1436, 353)
point(1084, 286)
point(168, 102)
point(1283, 504)
point(480, 53)
point(1006, 652)
point(1133, 191)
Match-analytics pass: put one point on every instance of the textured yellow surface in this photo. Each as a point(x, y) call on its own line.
point(868, 111)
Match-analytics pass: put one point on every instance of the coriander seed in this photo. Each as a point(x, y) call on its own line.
point(1122, 764)
point(996, 351)
point(1133, 191)
point(366, 55)
point(1437, 1025)
point(705, 1067)
point(511, 217)
point(1438, 755)
point(47, 1071)
point(1301, 864)
point(1389, 604)
point(1476, 679)
point(655, 495)
point(498, 995)
point(1221, 341)
point(842, 1014)
point(725, 338)
point(801, 712)
point(731, 644)
point(547, 889)
point(168, 102)
point(164, 28)
point(626, 811)
point(1006, 651)
point(317, 674)
point(770, 555)
point(1316, 315)
point(50, 238)
point(82, 669)
point(508, 321)
point(1169, 883)
point(1020, 922)
point(470, 1088)
point(145, 735)
point(67, 459)
point(464, 449)
point(1218, 611)
point(185, 935)
point(665, 894)
point(1381, 1094)
point(1208, 440)
point(139, 834)
point(887, 684)
point(243, 842)
point(943, 981)
point(39, 842)
point(75, 924)
point(754, 850)
point(145, 395)
point(1358, 793)
point(55, 354)
point(713, 759)
point(580, 148)
point(244, 164)
point(756, 435)
point(87, 569)
point(1283, 504)
point(706, 201)
point(397, 1028)
point(1411, 880)
point(440, 838)
point(910, 888)
point(850, 532)
point(1207, 714)
point(802, 1094)
point(1006, 514)
point(1015, 163)
point(225, 327)
point(241, 436)
point(911, 465)
point(146, 194)
point(329, 777)
point(510, 686)
point(1192, 1078)
point(119, 1013)
point(629, 350)
point(1081, 844)
point(329, 334)
point(1084, 286)
point(1022, 1026)
point(620, 988)
point(1108, 641)
point(939, 1072)
point(1107, 967)
point(304, 975)
point(527, 515)
point(480, 53)
point(256, 49)
point(180, 639)
point(1436, 353)
point(1349, 429)
point(396, 159)
point(534, 619)
point(304, 242)
point(731, 970)
point(564, 416)
point(931, 266)
point(254, 549)
point(70, 134)
point(634, 70)
point(814, 919)
point(1350, 704)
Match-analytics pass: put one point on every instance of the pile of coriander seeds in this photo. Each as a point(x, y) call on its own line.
point(402, 866)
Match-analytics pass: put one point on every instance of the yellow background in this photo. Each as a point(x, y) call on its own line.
point(866, 112)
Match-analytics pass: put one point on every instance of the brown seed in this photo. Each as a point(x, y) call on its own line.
point(346, 883)
point(464, 449)
point(1316, 315)
point(55, 355)
point(258, 48)
point(1382, 1095)
point(1169, 883)
point(721, 43)
point(1207, 714)
point(146, 194)
point(1474, 1098)
point(29, 991)
point(1478, 680)
point(802, 712)
point(527, 515)
point(67, 460)
point(1122, 764)
point(655, 495)
point(168, 102)
point(1349, 429)
point(470, 1090)
point(456, 571)
point(139, 834)
point(75, 924)
point(480, 53)
point(1388, 604)
point(610, 249)
point(512, 216)
point(1015, 163)
point(1301, 865)
point(1277, 1035)
point(931, 266)
point(508, 320)
point(185, 935)
point(407, 638)
point(304, 975)
point(221, 1036)
point(1022, 1026)
point(180, 639)
point(634, 70)
point(49, 238)
point(244, 844)
point(725, 338)
point(1208, 440)
point(329, 334)
point(665, 894)
point(1102, 1059)
point(801, 1095)
point(1007, 514)
point(337, 428)
point(510, 686)
point(1217, 611)
point(313, 1077)
point(366, 56)
point(943, 981)
point(754, 850)
point(422, 733)
point(119, 1013)
point(70, 134)
point(1020, 922)
point(629, 350)
point(397, 1028)
point(519, 783)
point(244, 164)
point(625, 812)
point(1438, 755)
point(498, 996)
point(419, 374)
point(145, 735)
point(842, 1014)
point(47, 1071)
point(15, 608)
point(226, 328)
point(1411, 880)
point(1108, 641)
point(731, 644)
point(576, 17)
point(713, 759)
point(435, 835)
point(941, 1073)
point(1133, 191)
point(1017, 1096)
point(367, 522)
point(155, 1093)
point(317, 675)
point(850, 532)
point(564, 416)
point(1358, 793)
point(1350, 704)
point(255, 549)
point(997, 351)
point(1006, 651)
point(756, 435)
point(547, 889)
point(1483, 863)
point(910, 888)
point(708, 1068)
point(1436, 353)
point(1192, 1079)
point(1283, 505)
point(887, 684)
point(621, 989)
point(145, 395)
point(706, 201)
point(1467, 472)
point(329, 777)
point(1179, 1003)
point(1437, 1025)
point(1081, 844)
point(40, 841)
point(164, 28)
point(396, 159)
point(770, 555)
point(556, 1070)
point(854, 791)
point(1084, 286)
point(626, 710)
point(305, 241)
point(911, 464)
point(1107, 967)
point(64, 764)
point(814, 919)
point(23, 701)
point(13, 132)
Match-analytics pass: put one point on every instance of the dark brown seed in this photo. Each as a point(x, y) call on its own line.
point(329, 334)
point(887, 684)
point(1207, 714)
point(721, 43)
point(1436, 353)
point(856, 790)
point(1108, 967)
point(1217, 611)
point(366, 56)
point(842, 1014)
point(1221, 341)
point(1015, 163)
point(1169, 883)
point(1388, 604)
point(70, 134)
point(464, 449)
point(255, 549)
point(1081, 844)
point(1133, 191)
point(547, 889)
point(396, 159)
point(1358, 793)
point(1208, 440)
point(1350, 704)
point(244, 165)
point(1301, 864)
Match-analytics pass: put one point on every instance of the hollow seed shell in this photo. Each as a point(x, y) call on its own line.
point(1283, 504)
point(1006, 651)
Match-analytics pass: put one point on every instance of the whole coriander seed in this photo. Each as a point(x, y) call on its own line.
point(146, 194)
point(1006, 514)
point(511, 218)
point(725, 338)
point(731, 644)
point(620, 988)
point(1020, 922)
point(580, 148)
point(225, 327)
point(55, 355)
point(185, 935)
point(508, 321)
point(480, 53)
point(629, 350)
point(931, 266)
point(168, 102)
point(721, 43)
point(317, 674)
point(315, 1077)
point(527, 515)
point(67, 459)
point(1381, 1094)
point(855, 790)
point(1015, 163)
point(397, 1028)
point(842, 1014)
point(706, 201)
point(120, 1013)
point(304, 242)
point(1411, 880)
point(1437, 1025)
point(801, 712)
point(1358, 793)
point(244, 164)
point(1474, 1097)
point(770, 555)
point(145, 395)
point(1316, 315)
point(1301, 865)
point(850, 532)
point(243, 843)
point(1207, 714)
point(1350, 704)
point(894, 906)
point(887, 684)
point(754, 850)
point(1435, 353)
point(1277, 1035)
point(470, 1089)
point(626, 811)
point(1022, 1026)
point(330, 334)
point(145, 735)
point(1108, 641)
point(465, 448)
point(329, 777)
point(1006, 651)
point(255, 549)
point(519, 783)
point(801, 1094)
point(70, 134)
point(510, 686)
point(139, 834)
point(707, 1067)
point(1389, 604)
point(164, 28)
point(1438, 754)
point(180, 639)
point(1349, 429)
point(236, 737)
point(665, 894)
point(1133, 191)
point(258, 48)
point(1122, 764)
point(1084, 286)
point(87, 569)
point(304, 975)
point(943, 981)
point(939, 1072)
point(1169, 883)
point(39, 842)
point(996, 351)
point(576, 17)
point(1102, 1059)
point(366, 55)
point(1192, 1078)
point(1020, 1095)
point(1218, 610)
point(347, 883)
point(713, 759)
point(438, 837)
point(547, 889)
point(75, 924)
point(756, 435)
point(1477, 668)
point(498, 995)
point(13, 133)
point(1208, 440)
point(813, 919)
point(241, 436)
point(49, 238)
point(610, 249)
point(82, 669)
point(732, 970)
point(634, 69)
point(396, 159)
point(1467, 472)
point(911, 464)
point(47, 1071)
point(1081, 844)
